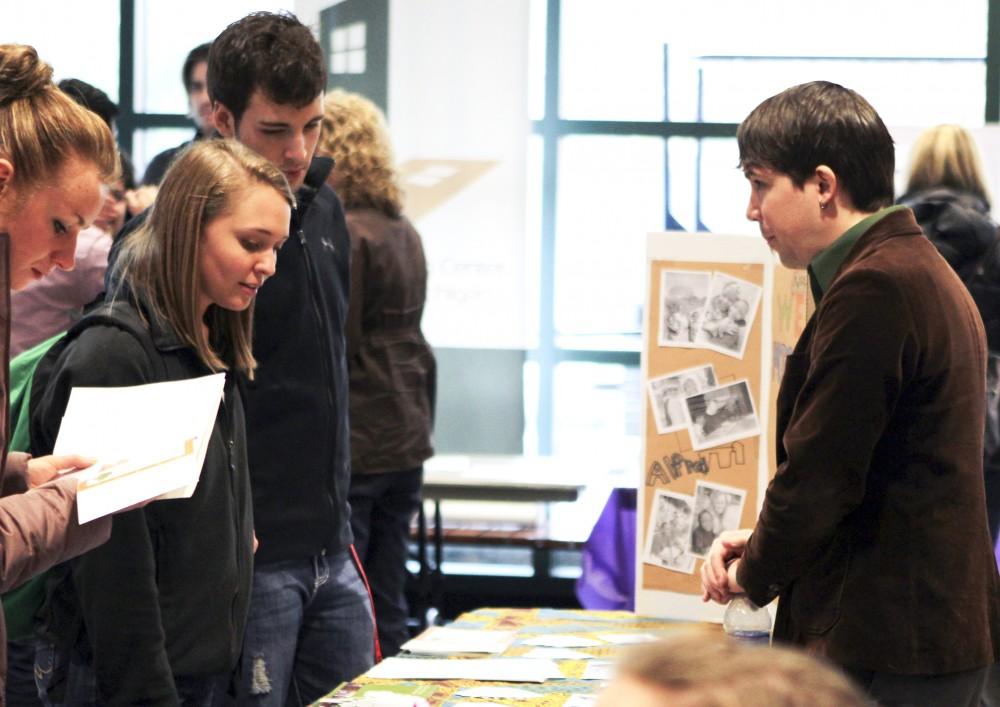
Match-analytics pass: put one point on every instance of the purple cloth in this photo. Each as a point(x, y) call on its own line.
point(608, 578)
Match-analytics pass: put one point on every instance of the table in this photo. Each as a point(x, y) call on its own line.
point(527, 623)
point(486, 478)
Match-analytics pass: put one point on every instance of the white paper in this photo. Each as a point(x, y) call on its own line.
point(497, 692)
point(381, 698)
point(444, 640)
point(149, 440)
point(487, 669)
point(598, 670)
point(557, 654)
point(581, 701)
point(627, 638)
point(562, 641)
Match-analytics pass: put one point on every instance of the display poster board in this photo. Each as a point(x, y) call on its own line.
point(721, 316)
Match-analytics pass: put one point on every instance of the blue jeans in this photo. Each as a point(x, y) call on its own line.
point(310, 628)
point(382, 508)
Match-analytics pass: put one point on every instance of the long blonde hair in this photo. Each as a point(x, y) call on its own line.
point(356, 137)
point(41, 127)
point(946, 156)
point(159, 264)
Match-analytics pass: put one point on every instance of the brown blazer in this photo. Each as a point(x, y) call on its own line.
point(873, 530)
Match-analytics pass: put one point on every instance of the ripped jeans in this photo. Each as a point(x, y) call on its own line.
point(310, 628)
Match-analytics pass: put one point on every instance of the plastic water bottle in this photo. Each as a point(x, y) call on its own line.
point(747, 622)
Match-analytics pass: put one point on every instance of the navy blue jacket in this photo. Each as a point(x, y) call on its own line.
point(297, 418)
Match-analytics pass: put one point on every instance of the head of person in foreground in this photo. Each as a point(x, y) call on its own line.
point(705, 669)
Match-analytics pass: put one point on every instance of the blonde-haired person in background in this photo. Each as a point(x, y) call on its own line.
point(54, 157)
point(701, 669)
point(947, 191)
point(157, 614)
point(392, 368)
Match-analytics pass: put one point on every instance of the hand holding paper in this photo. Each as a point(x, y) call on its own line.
point(150, 441)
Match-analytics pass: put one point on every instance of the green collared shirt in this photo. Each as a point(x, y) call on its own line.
point(826, 264)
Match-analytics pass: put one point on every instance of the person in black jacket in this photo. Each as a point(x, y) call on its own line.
point(947, 192)
point(311, 624)
point(156, 615)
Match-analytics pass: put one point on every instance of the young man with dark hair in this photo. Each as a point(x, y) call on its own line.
point(195, 80)
point(873, 531)
point(310, 624)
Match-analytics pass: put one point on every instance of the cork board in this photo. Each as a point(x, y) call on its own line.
point(721, 316)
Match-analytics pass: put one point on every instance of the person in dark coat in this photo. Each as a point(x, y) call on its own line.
point(873, 530)
point(157, 614)
point(947, 192)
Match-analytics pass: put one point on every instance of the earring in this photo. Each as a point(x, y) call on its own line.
point(823, 205)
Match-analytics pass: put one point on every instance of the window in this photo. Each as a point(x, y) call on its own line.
point(636, 104)
point(347, 49)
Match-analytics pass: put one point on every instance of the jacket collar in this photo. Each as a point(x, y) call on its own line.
point(896, 224)
point(319, 170)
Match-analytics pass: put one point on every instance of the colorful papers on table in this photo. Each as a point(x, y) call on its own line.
point(149, 441)
point(442, 640)
point(486, 669)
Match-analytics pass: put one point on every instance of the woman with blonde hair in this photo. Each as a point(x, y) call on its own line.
point(391, 366)
point(157, 614)
point(948, 194)
point(54, 157)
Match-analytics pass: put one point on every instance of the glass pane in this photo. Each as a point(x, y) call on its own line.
point(644, 60)
point(596, 414)
point(610, 195)
point(165, 33)
point(79, 39)
point(149, 142)
point(722, 198)
point(904, 92)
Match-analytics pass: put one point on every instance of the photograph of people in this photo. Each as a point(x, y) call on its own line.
point(721, 415)
point(717, 508)
point(668, 534)
point(667, 393)
point(683, 293)
point(728, 318)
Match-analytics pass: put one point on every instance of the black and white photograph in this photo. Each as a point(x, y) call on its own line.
point(667, 393)
point(721, 415)
point(668, 535)
point(716, 508)
point(683, 294)
point(728, 316)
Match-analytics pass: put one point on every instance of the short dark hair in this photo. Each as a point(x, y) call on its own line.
point(273, 52)
point(91, 98)
point(194, 57)
point(822, 123)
